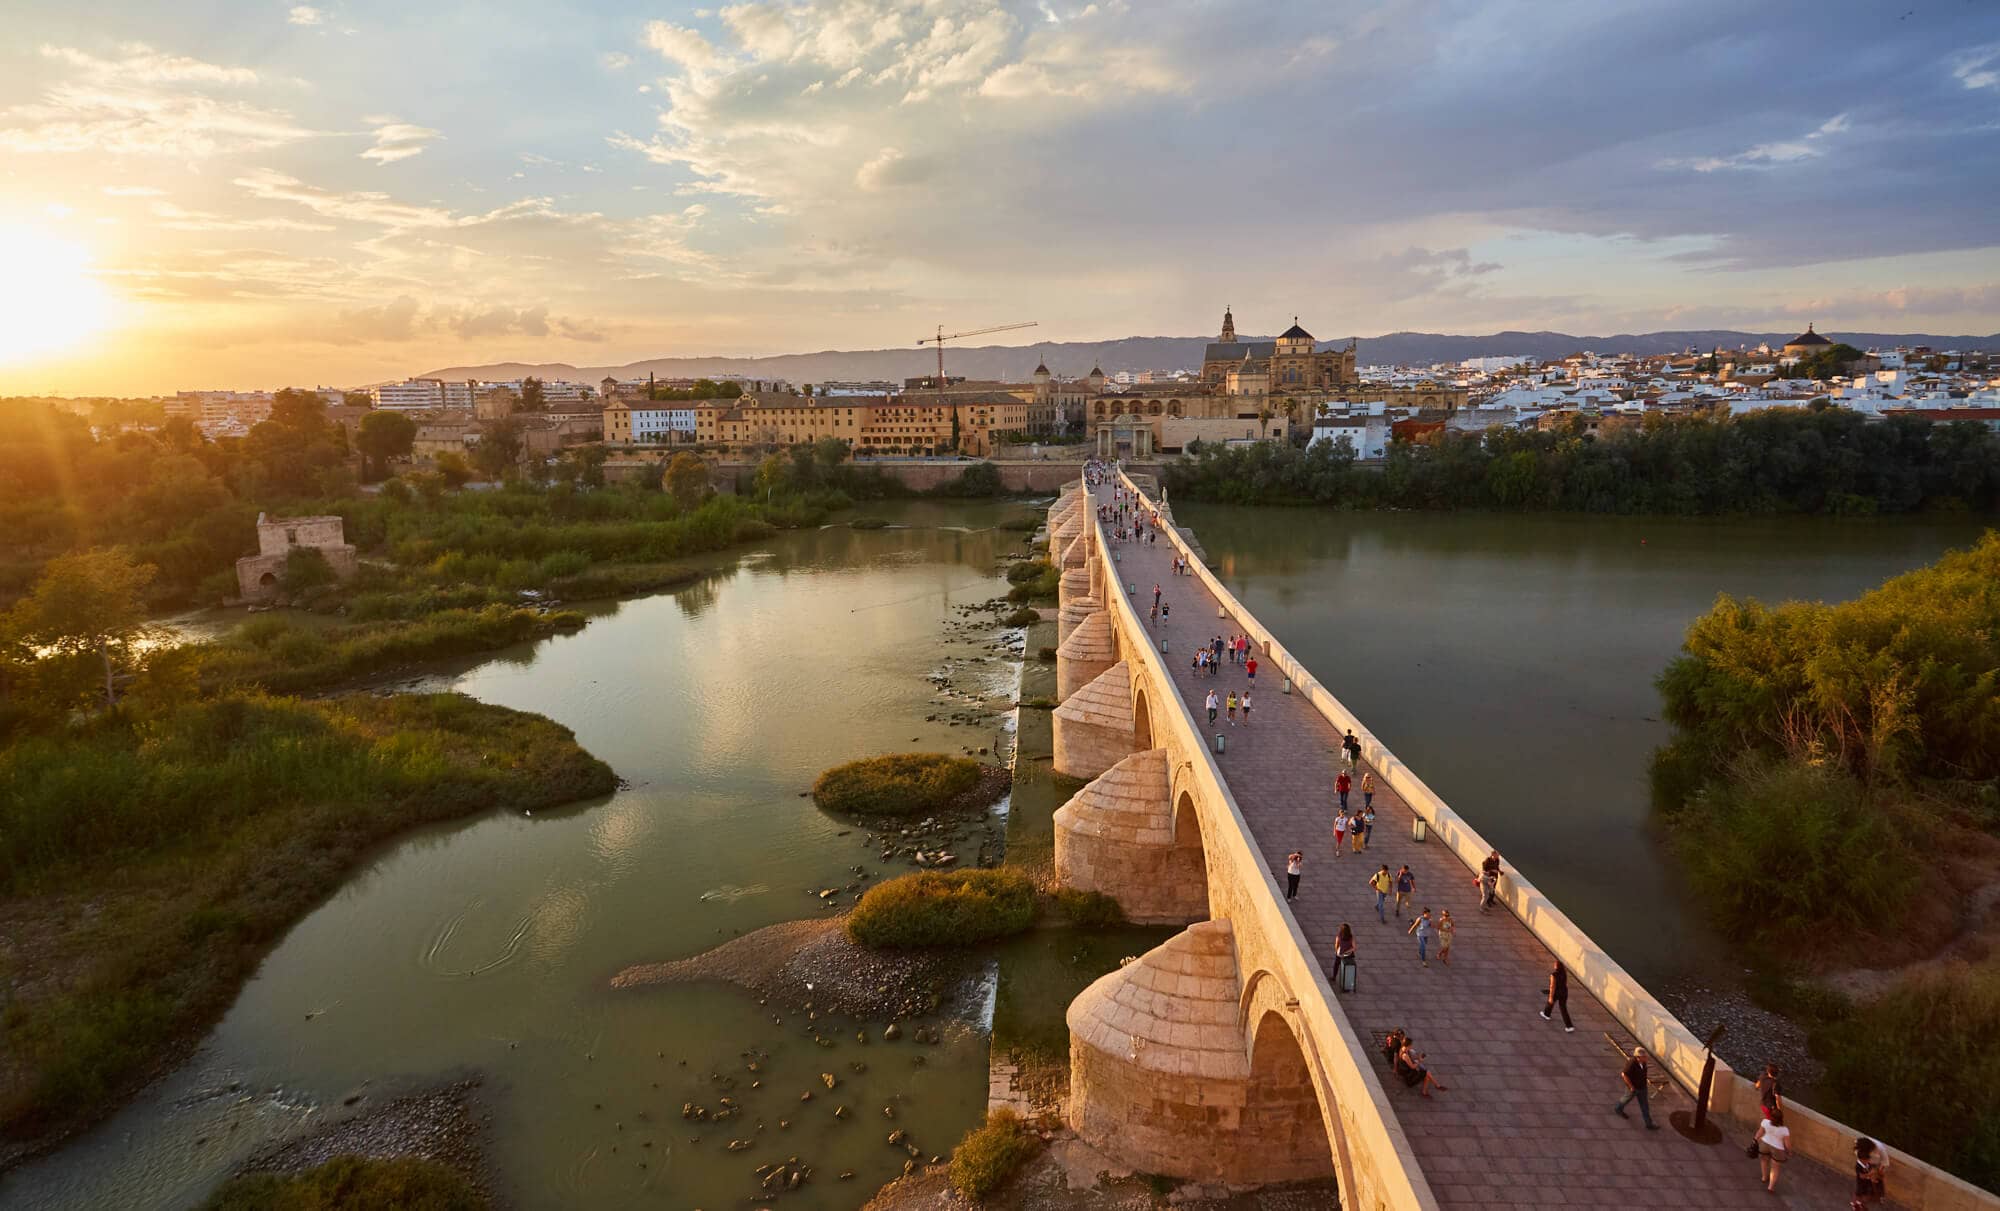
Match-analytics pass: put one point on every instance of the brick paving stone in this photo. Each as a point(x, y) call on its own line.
point(1536, 1092)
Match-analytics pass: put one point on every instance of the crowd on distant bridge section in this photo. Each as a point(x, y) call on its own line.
point(1129, 518)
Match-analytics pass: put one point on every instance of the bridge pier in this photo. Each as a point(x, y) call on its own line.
point(1093, 726)
point(1168, 1077)
point(1075, 584)
point(1073, 614)
point(1091, 648)
point(1118, 836)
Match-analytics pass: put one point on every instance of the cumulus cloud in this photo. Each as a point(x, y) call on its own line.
point(398, 141)
point(306, 14)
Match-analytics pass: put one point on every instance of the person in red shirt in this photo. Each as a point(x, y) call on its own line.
point(1250, 667)
point(1342, 784)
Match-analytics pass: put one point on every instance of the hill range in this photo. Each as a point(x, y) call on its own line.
point(1015, 363)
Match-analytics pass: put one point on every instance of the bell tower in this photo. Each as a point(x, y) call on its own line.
point(1228, 326)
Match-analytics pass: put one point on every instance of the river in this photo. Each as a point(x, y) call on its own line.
point(1509, 660)
point(484, 946)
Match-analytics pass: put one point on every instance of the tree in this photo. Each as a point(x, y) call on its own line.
point(687, 479)
point(830, 451)
point(383, 436)
point(299, 409)
point(90, 603)
point(453, 469)
point(357, 399)
point(590, 464)
point(306, 568)
point(531, 399)
point(499, 448)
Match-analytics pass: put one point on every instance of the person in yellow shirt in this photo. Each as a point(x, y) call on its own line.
point(1382, 883)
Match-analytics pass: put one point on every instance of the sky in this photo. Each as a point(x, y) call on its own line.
point(229, 194)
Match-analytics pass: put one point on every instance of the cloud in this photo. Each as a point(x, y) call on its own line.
point(398, 141)
point(392, 321)
point(615, 60)
point(139, 63)
point(1978, 67)
point(306, 14)
point(174, 218)
point(890, 169)
point(681, 46)
point(359, 206)
point(131, 191)
point(1768, 155)
point(144, 103)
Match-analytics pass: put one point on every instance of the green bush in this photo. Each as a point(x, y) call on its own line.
point(1044, 587)
point(1022, 617)
point(1777, 849)
point(353, 1183)
point(1093, 909)
point(1025, 570)
point(1926, 1052)
point(944, 908)
point(900, 784)
point(991, 1154)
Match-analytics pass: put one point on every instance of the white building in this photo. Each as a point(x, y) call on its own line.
point(660, 426)
point(411, 395)
point(1367, 435)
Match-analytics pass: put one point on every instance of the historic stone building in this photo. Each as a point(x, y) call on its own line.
point(258, 575)
point(1289, 365)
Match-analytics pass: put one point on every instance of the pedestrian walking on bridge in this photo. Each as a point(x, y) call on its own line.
point(1559, 996)
point(1634, 1075)
point(1295, 864)
point(1382, 882)
point(1422, 929)
point(1406, 885)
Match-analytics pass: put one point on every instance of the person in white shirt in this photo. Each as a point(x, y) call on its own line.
point(1774, 1148)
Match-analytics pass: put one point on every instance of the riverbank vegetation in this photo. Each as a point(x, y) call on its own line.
point(1778, 460)
point(149, 856)
point(992, 1153)
point(1833, 792)
point(899, 784)
point(353, 1183)
point(944, 908)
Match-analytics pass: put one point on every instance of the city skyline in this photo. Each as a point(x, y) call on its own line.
point(254, 194)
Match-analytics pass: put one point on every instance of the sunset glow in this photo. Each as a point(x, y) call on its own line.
point(52, 303)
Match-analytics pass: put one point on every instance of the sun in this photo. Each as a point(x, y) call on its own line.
point(52, 301)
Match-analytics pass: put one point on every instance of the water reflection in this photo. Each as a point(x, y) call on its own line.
point(486, 945)
point(1510, 661)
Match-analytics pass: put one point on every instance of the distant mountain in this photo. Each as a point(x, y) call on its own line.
point(1014, 363)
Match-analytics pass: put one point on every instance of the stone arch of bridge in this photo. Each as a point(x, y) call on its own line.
point(1291, 1109)
point(1189, 865)
point(1142, 721)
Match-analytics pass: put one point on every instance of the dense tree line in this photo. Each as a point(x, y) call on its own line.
point(1818, 460)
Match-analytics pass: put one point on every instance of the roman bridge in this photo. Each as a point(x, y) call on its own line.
point(1223, 1055)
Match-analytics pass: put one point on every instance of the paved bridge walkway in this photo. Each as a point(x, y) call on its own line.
point(1527, 1119)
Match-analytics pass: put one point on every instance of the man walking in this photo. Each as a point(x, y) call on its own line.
point(1406, 883)
point(1353, 747)
point(1212, 704)
point(1421, 927)
point(1559, 996)
point(1634, 1076)
point(1382, 884)
point(1489, 880)
point(1341, 784)
point(1295, 864)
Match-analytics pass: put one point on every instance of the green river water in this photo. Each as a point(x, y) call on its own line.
point(1508, 659)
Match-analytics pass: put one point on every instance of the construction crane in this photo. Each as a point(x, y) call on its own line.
point(943, 336)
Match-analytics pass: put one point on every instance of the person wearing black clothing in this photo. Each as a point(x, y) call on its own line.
point(1353, 747)
point(1559, 996)
point(1634, 1075)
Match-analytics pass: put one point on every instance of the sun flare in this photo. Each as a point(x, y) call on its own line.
point(54, 302)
